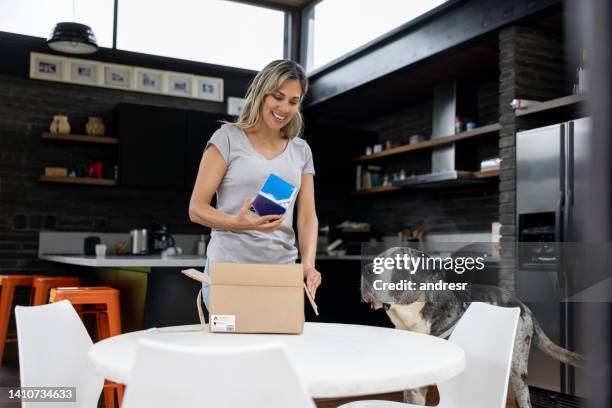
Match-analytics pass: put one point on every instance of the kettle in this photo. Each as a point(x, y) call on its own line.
point(139, 243)
point(159, 238)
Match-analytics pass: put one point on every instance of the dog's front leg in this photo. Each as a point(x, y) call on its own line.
point(416, 396)
point(409, 317)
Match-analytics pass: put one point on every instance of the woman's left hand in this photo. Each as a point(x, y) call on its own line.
point(313, 279)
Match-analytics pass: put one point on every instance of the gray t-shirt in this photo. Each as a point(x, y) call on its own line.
point(247, 170)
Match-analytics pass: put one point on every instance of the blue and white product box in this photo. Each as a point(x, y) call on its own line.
point(274, 197)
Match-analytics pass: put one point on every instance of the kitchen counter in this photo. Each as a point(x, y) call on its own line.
point(127, 260)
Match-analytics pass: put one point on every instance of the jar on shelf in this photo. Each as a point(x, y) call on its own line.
point(95, 126)
point(60, 125)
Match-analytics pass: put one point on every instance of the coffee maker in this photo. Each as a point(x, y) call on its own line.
point(159, 238)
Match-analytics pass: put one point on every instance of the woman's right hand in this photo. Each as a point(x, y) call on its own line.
point(246, 221)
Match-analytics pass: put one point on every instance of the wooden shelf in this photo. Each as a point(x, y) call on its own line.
point(375, 190)
point(480, 131)
point(79, 138)
point(566, 101)
point(78, 180)
point(486, 173)
point(463, 178)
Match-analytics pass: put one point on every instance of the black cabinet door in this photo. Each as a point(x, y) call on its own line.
point(200, 127)
point(152, 146)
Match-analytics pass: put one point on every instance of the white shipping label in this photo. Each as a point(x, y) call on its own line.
point(223, 323)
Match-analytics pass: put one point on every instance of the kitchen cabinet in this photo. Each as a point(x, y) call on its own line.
point(200, 127)
point(152, 145)
point(161, 147)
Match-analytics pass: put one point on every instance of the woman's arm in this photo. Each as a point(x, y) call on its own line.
point(308, 226)
point(210, 173)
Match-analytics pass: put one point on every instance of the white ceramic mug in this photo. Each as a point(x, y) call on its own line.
point(100, 250)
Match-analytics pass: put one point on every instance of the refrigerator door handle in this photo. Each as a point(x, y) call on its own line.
point(569, 180)
point(559, 213)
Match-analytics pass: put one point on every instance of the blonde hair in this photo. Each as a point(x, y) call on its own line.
point(266, 82)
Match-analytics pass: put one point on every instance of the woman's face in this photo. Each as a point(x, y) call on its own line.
point(280, 106)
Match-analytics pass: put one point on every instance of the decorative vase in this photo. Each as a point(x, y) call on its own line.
point(95, 126)
point(60, 125)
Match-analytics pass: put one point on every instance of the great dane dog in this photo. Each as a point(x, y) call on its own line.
point(437, 312)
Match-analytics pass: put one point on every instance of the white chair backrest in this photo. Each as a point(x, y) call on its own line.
point(486, 333)
point(53, 345)
point(251, 376)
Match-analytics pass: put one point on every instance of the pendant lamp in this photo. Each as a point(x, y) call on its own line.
point(73, 38)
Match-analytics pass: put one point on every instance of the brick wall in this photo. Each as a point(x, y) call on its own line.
point(446, 209)
point(27, 205)
point(531, 65)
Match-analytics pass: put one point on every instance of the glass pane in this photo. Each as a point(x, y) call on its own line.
point(38, 17)
point(214, 31)
point(340, 26)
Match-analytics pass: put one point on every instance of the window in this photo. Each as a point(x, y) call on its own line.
point(213, 31)
point(38, 17)
point(339, 26)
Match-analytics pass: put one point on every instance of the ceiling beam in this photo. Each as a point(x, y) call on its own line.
point(450, 25)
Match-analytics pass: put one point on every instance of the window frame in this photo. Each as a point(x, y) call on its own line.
point(307, 37)
point(288, 22)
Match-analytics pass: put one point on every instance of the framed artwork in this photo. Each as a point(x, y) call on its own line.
point(107, 75)
point(208, 88)
point(179, 84)
point(117, 76)
point(235, 105)
point(48, 67)
point(84, 72)
point(148, 80)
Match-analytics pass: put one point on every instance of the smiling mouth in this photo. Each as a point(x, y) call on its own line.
point(278, 117)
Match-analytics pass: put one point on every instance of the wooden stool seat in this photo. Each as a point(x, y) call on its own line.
point(108, 320)
point(42, 285)
point(7, 294)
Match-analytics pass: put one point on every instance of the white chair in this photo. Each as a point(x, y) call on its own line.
point(53, 345)
point(486, 333)
point(251, 376)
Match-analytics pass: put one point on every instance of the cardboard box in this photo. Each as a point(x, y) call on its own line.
point(256, 298)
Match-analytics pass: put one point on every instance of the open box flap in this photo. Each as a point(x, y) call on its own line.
point(228, 278)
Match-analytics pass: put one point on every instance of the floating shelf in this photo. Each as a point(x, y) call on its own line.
point(563, 102)
point(375, 190)
point(486, 173)
point(480, 131)
point(78, 180)
point(463, 178)
point(79, 138)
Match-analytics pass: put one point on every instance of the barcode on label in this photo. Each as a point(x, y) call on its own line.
point(223, 323)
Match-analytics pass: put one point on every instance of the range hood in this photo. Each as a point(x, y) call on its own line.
point(432, 178)
point(443, 157)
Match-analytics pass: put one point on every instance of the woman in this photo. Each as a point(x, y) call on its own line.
point(237, 160)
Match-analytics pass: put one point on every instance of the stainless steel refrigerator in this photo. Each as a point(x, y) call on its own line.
point(551, 165)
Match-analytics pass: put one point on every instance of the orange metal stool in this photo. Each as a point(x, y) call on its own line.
point(9, 283)
point(108, 321)
point(43, 284)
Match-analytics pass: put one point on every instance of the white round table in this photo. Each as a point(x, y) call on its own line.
point(333, 360)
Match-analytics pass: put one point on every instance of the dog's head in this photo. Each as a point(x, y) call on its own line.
point(371, 291)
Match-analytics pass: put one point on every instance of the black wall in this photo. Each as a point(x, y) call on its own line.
point(26, 108)
point(446, 209)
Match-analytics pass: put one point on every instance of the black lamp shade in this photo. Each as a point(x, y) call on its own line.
point(73, 38)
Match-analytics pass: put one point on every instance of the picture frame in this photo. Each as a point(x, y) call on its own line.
point(179, 84)
point(84, 72)
point(209, 88)
point(47, 67)
point(117, 76)
point(148, 80)
point(235, 105)
point(129, 78)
